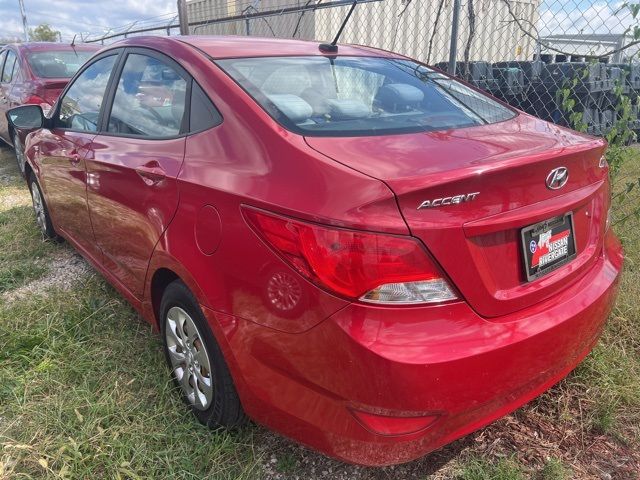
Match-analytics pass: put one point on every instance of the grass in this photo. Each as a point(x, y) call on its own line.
point(477, 469)
point(553, 470)
point(23, 252)
point(612, 372)
point(84, 392)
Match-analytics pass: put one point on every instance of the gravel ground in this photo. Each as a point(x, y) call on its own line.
point(286, 460)
point(8, 168)
point(63, 271)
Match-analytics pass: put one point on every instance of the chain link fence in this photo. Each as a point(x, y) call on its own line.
point(570, 62)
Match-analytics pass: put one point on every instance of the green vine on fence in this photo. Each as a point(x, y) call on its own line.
point(621, 136)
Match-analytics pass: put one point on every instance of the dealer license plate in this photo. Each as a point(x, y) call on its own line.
point(548, 245)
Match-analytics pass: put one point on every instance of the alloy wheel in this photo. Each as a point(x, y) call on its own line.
point(189, 358)
point(38, 207)
point(19, 151)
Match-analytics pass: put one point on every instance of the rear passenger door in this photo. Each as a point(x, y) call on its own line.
point(134, 161)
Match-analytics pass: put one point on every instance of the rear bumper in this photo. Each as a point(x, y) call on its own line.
point(440, 361)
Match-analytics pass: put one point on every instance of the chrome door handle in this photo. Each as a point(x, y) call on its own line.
point(151, 173)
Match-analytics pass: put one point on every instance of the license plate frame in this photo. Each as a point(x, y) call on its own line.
point(551, 233)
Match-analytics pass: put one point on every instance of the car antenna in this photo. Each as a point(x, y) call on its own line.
point(73, 42)
point(332, 47)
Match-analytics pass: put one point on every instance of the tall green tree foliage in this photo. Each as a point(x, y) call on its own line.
point(43, 33)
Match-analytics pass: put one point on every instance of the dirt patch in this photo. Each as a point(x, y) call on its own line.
point(63, 271)
point(286, 460)
point(10, 201)
point(558, 425)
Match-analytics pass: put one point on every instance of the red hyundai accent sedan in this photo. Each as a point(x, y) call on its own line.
point(348, 247)
point(35, 73)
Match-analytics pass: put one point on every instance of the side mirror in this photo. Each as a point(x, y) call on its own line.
point(26, 117)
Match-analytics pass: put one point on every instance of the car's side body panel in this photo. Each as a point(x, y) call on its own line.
point(235, 267)
point(88, 249)
point(248, 160)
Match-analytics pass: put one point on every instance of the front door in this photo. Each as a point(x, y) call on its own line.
point(134, 163)
point(63, 150)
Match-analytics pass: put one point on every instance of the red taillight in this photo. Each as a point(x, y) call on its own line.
point(371, 267)
point(35, 100)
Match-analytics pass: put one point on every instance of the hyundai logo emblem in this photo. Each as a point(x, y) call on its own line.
point(557, 178)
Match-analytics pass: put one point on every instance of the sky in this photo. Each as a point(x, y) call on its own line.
point(97, 17)
point(81, 16)
point(584, 16)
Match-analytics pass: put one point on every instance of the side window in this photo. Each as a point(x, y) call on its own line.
point(9, 66)
point(149, 100)
point(80, 106)
point(3, 55)
point(204, 115)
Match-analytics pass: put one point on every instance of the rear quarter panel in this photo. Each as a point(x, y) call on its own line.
point(249, 160)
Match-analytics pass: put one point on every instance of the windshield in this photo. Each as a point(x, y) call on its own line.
point(57, 64)
point(354, 96)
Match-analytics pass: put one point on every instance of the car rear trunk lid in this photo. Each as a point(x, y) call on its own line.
point(488, 183)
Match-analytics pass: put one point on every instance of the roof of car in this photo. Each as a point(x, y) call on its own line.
point(57, 46)
point(231, 46)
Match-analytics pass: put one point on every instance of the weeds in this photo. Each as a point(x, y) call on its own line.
point(491, 470)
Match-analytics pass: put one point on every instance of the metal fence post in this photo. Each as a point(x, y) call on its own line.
point(24, 21)
point(453, 45)
point(182, 16)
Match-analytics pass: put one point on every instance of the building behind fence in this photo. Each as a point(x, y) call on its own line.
point(420, 29)
point(526, 52)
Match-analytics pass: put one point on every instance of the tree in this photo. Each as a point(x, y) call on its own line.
point(43, 33)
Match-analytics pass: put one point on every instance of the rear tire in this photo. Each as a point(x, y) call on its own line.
point(19, 151)
point(196, 361)
point(43, 220)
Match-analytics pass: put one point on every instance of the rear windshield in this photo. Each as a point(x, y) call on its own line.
point(61, 64)
point(354, 96)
